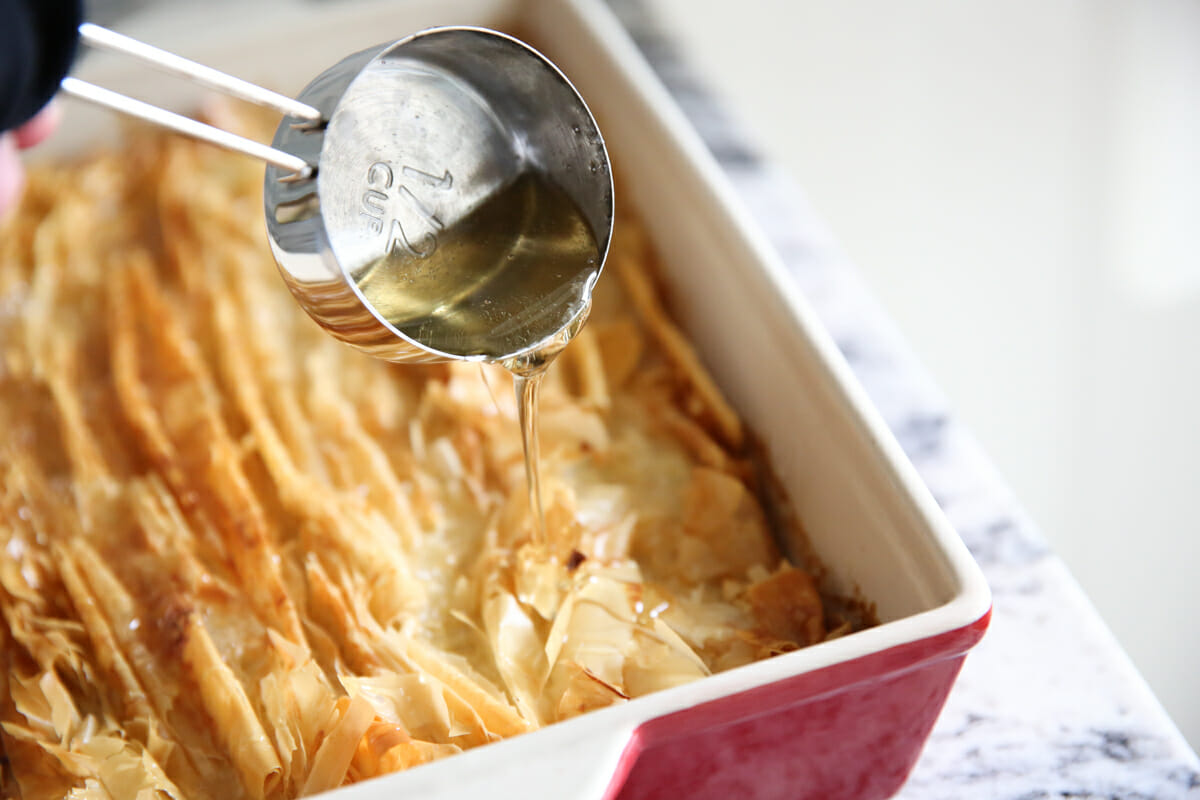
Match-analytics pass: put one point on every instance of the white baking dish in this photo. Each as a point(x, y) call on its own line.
point(844, 718)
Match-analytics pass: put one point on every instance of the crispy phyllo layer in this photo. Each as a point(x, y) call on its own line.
point(238, 559)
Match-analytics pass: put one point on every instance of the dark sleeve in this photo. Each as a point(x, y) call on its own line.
point(37, 46)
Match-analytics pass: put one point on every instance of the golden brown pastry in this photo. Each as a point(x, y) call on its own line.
point(242, 560)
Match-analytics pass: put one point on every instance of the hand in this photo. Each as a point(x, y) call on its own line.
point(12, 174)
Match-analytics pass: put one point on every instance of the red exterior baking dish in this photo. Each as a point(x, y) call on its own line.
point(842, 719)
point(850, 730)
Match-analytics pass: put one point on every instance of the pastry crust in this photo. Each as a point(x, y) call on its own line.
point(241, 560)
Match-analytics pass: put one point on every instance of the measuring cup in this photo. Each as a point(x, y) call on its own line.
point(462, 203)
point(446, 196)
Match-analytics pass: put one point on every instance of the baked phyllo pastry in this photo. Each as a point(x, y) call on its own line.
point(239, 559)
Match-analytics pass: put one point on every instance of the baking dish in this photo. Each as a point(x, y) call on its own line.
point(845, 718)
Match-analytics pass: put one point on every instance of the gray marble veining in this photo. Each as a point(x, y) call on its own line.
point(1048, 705)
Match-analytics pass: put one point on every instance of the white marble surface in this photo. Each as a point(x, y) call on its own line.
point(1048, 705)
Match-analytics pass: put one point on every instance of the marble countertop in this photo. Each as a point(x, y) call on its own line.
point(1048, 705)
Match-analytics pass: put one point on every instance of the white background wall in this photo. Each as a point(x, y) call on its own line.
point(1019, 180)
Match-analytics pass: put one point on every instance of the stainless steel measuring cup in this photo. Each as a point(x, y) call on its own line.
point(444, 196)
point(462, 203)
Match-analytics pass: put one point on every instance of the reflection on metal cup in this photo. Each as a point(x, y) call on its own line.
point(462, 204)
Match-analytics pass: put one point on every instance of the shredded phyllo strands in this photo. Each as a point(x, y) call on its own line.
point(238, 559)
